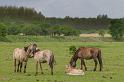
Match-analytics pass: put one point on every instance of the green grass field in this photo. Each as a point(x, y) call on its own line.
point(113, 61)
point(29, 38)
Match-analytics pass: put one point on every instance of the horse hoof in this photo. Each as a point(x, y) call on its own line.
point(51, 73)
point(35, 75)
point(94, 70)
point(42, 73)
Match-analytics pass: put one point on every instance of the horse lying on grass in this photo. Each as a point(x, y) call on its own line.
point(73, 71)
point(45, 56)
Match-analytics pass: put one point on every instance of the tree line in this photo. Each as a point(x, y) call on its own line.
point(100, 22)
point(20, 12)
point(38, 24)
point(37, 29)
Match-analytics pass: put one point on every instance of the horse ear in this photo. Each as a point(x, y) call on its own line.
point(34, 44)
point(26, 48)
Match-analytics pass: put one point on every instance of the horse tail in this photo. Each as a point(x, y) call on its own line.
point(51, 63)
point(100, 60)
point(52, 60)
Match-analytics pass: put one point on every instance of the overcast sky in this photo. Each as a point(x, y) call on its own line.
point(73, 8)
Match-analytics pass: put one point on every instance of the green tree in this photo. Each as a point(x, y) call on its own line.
point(116, 29)
point(69, 31)
point(2, 30)
point(102, 33)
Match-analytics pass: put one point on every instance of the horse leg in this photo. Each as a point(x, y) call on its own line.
point(95, 60)
point(25, 64)
point(100, 61)
point(100, 64)
point(36, 68)
point(51, 66)
point(41, 68)
point(21, 67)
point(18, 66)
point(83, 63)
point(15, 65)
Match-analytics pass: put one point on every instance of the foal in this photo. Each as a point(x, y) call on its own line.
point(73, 71)
point(45, 56)
point(21, 55)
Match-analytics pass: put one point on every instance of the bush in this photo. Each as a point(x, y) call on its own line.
point(2, 30)
point(116, 29)
point(72, 49)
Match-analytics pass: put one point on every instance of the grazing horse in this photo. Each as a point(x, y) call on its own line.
point(87, 53)
point(22, 55)
point(45, 56)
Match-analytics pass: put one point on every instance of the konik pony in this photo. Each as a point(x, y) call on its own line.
point(45, 56)
point(87, 53)
point(21, 55)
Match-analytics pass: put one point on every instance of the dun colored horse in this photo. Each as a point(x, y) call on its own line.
point(45, 56)
point(87, 53)
point(73, 71)
point(21, 55)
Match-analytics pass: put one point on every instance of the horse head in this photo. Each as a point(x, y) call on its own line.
point(73, 62)
point(30, 49)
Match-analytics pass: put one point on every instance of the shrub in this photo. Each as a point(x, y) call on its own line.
point(72, 49)
point(116, 29)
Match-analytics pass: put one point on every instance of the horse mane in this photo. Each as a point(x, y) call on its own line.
point(26, 48)
point(76, 52)
point(37, 50)
point(35, 44)
point(75, 57)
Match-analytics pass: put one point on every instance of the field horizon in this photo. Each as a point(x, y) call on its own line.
point(94, 37)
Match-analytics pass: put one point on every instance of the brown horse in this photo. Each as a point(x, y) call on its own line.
point(87, 53)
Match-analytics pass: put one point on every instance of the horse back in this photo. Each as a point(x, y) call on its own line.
point(84, 52)
point(88, 52)
point(43, 56)
point(19, 54)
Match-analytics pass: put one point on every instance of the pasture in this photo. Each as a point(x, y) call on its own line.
point(113, 63)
